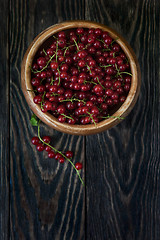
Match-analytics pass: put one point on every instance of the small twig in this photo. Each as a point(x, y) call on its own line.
point(92, 118)
point(59, 153)
point(100, 84)
point(73, 99)
point(76, 44)
point(38, 71)
point(66, 116)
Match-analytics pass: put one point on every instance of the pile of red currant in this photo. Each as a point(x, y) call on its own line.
point(58, 155)
point(81, 77)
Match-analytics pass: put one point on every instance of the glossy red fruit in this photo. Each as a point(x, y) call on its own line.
point(37, 99)
point(35, 82)
point(87, 77)
point(61, 160)
point(78, 166)
point(54, 65)
point(61, 118)
point(51, 154)
point(98, 88)
point(35, 140)
point(48, 148)
point(48, 105)
point(58, 156)
point(46, 139)
point(62, 34)
point(69, 154)
point(40, 147)
point(41, 61)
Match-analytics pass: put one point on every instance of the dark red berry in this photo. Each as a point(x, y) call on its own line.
point(78, 165)
point(35, 140)
point(61, 118)
point(51, 154)
point(37, 99)
point(61, 160)
point(46, 139)
point(58, 156)
point(54, 65)
point(69, 154)
point(48, 148)
point(40, 147)
point(35, 82)
point(41, 61)
point(85, 80)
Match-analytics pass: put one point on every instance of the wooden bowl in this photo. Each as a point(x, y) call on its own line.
point(49, 119)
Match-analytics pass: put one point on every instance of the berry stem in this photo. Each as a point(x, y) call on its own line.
point(100, 84)
point(42, 80)
point(86, 81)
point(38, 71)
point(54, 37)
point(88, 67)
point(92, 118)
point(108, 49)
point(126, 73)
point(114, 40)
point(76, 44)
point(118, 117)
point(43, 100)
point(105, 66)
point(59, 152)
point(119, 73)
point(56, 50)
point(59, 78)
point(66, 116)
point(44, 52)
point(66, 48)
point(55, 94)
point(52, 80)
point(73, 99)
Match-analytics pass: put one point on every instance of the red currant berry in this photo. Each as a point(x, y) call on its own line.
point(54, 65)
point(78, 165)
point(80, 31)
point(61, 160)
point(40, 147)
point(61, 42)
point(41, 88)
point(58, 156)
point(41, 61)
point(35, 82)
point(61, 118)
point(48, 105)
point(37, 99)
point(69, 154)
point(46, 139)
point(48, 148)
point(35, 140)
point(61, 34)
point(61, 109)
point(51, 154)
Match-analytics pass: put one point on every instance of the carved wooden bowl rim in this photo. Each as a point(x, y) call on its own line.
point(49, 119)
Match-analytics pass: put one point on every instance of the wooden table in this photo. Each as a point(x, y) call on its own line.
point(41, 199)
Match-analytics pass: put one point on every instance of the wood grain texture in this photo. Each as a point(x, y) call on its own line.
point(4, 123)
point(123, 164)
point(121, 200)
point(47, 198)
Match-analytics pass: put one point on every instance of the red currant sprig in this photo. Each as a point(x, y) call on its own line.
point(40, 145)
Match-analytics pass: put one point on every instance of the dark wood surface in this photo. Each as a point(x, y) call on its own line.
point(40, 199)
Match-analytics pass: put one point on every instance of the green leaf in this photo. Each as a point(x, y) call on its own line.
point(34, 120)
